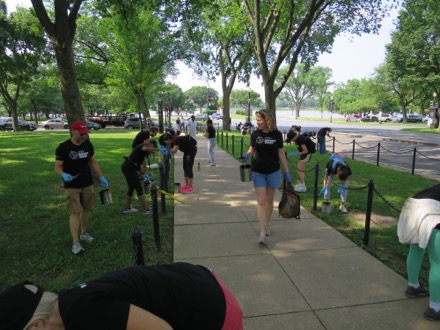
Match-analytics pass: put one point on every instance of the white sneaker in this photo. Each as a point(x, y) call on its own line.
point(130, 210)
point(77, 248)
point(267, 229)
point(300, 188)
point(343, 209)
point(262, 239)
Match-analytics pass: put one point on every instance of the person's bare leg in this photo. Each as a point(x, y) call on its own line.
point(74, 226)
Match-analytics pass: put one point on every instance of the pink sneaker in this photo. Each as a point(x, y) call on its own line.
point(188, 190)
point(183, 188)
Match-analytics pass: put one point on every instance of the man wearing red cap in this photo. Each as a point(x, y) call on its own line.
point(75, 161)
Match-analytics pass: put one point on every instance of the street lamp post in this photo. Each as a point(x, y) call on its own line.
point(434, 96)
point(248, 119)
point(331, 105)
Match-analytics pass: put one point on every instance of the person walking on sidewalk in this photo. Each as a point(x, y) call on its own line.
point(130, 168)
point(187, 145)
point(267, 150)
point(321, 135)
point(74, 162)
point(338, 167)
point(210, 133)
point(191, 126)
point(305, 155)
point(171, 296)
point(419, 226)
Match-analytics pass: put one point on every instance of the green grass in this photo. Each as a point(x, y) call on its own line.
point(35, 242)
point(392, 188)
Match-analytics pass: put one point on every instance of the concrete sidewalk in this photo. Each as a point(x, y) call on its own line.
point(309, 276)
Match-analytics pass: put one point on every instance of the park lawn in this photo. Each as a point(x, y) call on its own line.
point(35, 242)
point(391, 189)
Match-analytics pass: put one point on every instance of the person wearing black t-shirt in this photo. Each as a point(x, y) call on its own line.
point(210, 132)
point(75, 160)
point(267, 151)
point(304, 158)
point(419, 226)
point(130, 168)
point(143, 136)
point(177, 296)
point(321, 135)
point(188, 145)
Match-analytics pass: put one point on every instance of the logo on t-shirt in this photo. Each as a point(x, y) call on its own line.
point(78, 155)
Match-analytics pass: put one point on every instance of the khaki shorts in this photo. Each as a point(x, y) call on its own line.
point(80, 199)
point(305, 158)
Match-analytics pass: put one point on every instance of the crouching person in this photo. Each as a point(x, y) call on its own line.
point(339, 168)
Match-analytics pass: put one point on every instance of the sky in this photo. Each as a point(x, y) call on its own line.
point(352, 57)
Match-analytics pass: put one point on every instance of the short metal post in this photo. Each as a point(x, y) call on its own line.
point(334, 142)
point(156, 228)
point(378, 154)
point(414, 161)
point(227, 142)
point(163, 187)
point(352, 153)
point(368, 212)
point(136, 237)
point(233, 143)
point(315, 188)
point(241, 146)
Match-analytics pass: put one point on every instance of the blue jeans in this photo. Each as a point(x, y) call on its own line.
point(321, 142)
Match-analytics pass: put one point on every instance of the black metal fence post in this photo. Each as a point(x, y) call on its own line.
point(334, 141)
point(241, 146)
point(156, 227)
point(378, 154)
point(352, 153)
point(136, 237)
point(414, 161)
point(163, 187)
point(315, 188)
point(233, 144)
point(368, 212)
point(227, 142)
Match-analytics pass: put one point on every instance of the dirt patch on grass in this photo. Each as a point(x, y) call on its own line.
point(376, 219)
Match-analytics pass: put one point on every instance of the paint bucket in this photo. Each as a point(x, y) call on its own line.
point(106, 196)
point(245, 173)
point(326, 207)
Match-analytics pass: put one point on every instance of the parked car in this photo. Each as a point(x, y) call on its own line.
point(92, 126)
point(132, 123)
point(426, 119)
point(201, 116)
point(414, 118)
point(55, 123)
point(217, 116)
point(23, 125)
point(396, 117)
point(385, 117)
point(352, 117)
point(369, 118)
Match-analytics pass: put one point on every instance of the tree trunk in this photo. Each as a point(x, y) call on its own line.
point(69, 86)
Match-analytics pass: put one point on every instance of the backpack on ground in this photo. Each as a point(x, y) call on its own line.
point(289, 206)
point(311, 146)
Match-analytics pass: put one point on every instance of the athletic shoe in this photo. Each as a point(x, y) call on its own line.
point(262, 239)
point(77, 248)
point(412, 292)
point(183, 186)
point(130, 210)
point(211, 165)
point(267, 229)
point(183, 189)
point(147, 211)
point(432, 315)
point(86, 237)
point(300, 188)
point(343, 209)
point(188, 190)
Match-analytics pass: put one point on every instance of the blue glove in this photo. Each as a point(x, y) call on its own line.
point(322, 191)
point(163, 150)
point(245, 157)
point(294, 153)
point(340, 189)
point(287, 177)
point(66, 177)
point(103, 182)
point(146, 177)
